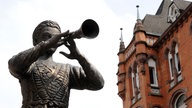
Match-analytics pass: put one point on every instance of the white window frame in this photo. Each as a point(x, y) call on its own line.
point(152, 63)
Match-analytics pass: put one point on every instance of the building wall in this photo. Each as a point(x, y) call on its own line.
point(183, 38)
point(181, 34)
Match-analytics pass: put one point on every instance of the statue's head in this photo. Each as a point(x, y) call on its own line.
point(41, 28)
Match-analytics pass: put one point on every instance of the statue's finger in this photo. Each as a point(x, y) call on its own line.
point(65, 54)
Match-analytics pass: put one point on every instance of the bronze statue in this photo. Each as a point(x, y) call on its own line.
point(45, 83)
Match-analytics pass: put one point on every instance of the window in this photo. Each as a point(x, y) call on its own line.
point(135, 82)
point(133, 87)
point(174, 65)
point(177, 60)
point(137, 79)
point(150, 41)
point(152, 72)
point(170, 59)
point(179, 101)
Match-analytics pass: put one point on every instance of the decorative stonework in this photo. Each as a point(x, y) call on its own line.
point(130, 52)
point(141, 59)
point(173, 13)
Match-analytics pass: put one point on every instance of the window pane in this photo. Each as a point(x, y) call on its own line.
point(137, 80)
point(151, 73)
point(133, 89)
point(180, 101)
point(178, 62)
point(170, 64)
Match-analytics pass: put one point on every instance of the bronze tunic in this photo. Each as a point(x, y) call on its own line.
point(48, 86)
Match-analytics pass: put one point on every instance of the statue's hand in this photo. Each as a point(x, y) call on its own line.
point(55, 40)
point(74, 52)
point(62, 38)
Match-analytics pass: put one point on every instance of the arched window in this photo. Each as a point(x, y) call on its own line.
point(174, 60)
point(137, 78)
point(177, 60)
point(133, 85)
point(178, 99)
point(152, 72)
point(135, 82)
point(170, 60)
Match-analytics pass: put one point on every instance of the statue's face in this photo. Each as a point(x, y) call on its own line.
point(47, 33)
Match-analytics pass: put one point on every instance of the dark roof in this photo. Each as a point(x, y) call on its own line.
point(182, 4)
point(157, 24)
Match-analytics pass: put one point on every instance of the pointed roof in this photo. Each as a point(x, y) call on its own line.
point(122, 46)
point(157, 24)
point(121, 38)
point(138, 26)
point(182, 4)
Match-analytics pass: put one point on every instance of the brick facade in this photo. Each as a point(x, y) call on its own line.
point(155, 71)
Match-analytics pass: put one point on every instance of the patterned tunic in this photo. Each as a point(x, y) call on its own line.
point(48, 86)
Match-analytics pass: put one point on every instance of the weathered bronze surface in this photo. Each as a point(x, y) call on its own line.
point(45, 83)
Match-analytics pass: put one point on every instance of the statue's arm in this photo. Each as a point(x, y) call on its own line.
point(86, 76)
point(20, 63)
point(94, 79)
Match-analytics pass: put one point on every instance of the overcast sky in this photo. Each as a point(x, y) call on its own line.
point(20, 17)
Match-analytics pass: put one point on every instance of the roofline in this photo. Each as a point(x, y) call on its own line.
point(153, 34)
point(168, 32)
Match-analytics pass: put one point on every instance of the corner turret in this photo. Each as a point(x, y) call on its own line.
point(140, 42)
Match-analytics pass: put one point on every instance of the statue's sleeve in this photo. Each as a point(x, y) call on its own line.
point(77, 77)
point(80, 80)
point(20, 63)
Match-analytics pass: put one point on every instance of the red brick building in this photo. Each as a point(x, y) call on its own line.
point(155, 69)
